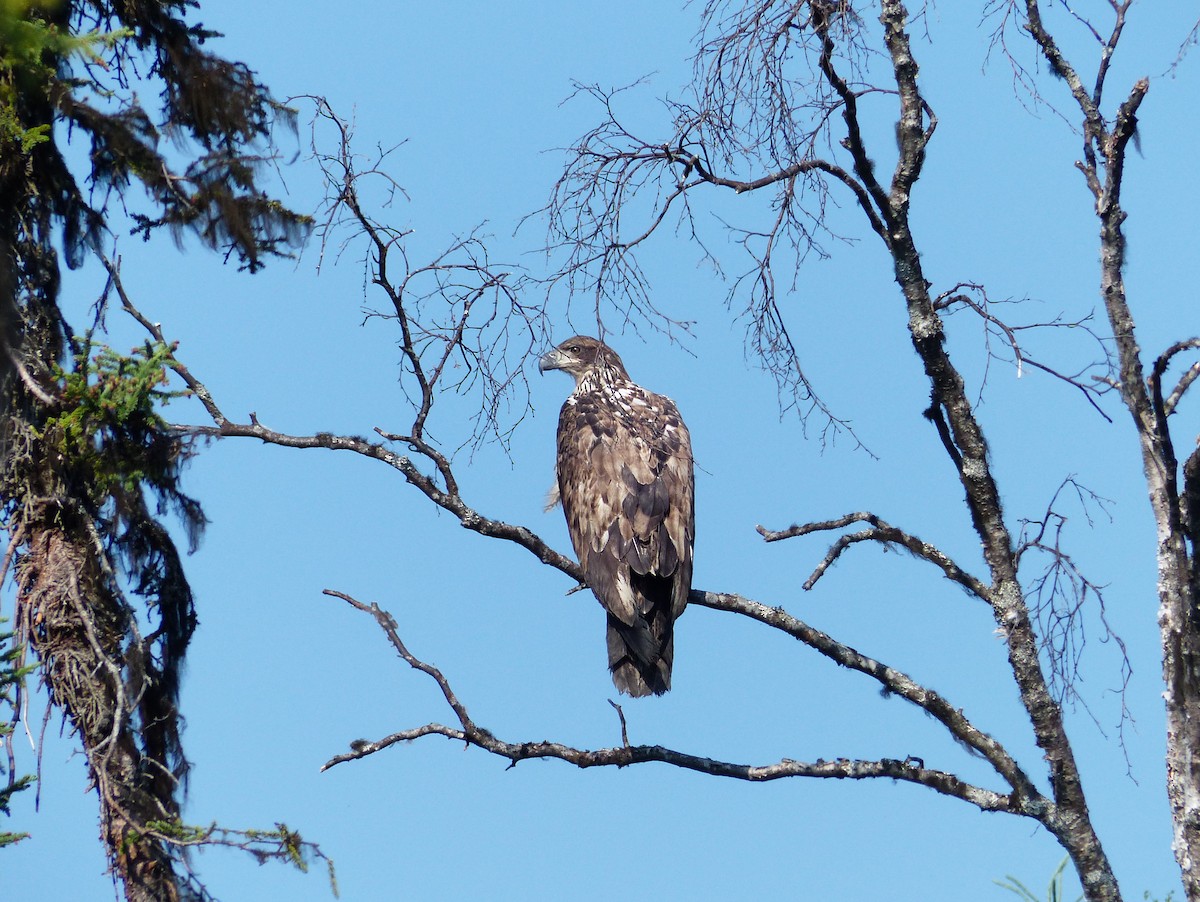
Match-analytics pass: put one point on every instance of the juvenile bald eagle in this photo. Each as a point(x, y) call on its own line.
point(624, 472)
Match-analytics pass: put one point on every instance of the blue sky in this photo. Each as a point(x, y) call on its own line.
point(281, 678)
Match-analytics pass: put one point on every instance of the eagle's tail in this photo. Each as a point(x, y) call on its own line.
point(640, 656)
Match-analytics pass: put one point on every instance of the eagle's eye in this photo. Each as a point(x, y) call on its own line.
point(574, 349)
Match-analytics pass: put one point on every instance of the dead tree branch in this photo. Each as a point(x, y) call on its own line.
point(464, 326)
point(1059, 594)
point(886, 535)
point(1166, 406)
point(961, 432)
point(1025, 801)
point(1105, 144)
point(592, 205)
point(1092, 388)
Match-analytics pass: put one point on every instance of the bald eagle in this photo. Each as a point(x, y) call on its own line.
point(624, 474)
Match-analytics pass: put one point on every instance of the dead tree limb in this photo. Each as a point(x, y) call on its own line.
point(1025, 801)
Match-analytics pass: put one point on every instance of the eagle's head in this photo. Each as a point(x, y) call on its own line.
point(579, 356)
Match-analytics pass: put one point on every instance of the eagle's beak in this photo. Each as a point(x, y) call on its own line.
point(551, 360)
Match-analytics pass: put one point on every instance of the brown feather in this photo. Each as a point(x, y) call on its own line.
point(625, 479)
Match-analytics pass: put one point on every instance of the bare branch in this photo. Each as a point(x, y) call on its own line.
point(1185, 382)
point(446, 497)
point(954, 299)
point(1109, 46)
point(917, 120)
point(1192, 39)
point(908, 769)
point(155, 329)
point(1167, 406)
point(464, 327)
point(1093, 121)
point(614, 177)
point(1058, 595)
point(884, 534)
point(1124, 130)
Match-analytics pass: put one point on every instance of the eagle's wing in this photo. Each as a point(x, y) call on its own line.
point(658, 509)
point(626, 482)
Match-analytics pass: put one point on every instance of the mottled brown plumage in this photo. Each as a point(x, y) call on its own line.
point(624, 473)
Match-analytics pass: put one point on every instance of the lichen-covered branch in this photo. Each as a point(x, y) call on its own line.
point(1103, 166)
point(963, 437)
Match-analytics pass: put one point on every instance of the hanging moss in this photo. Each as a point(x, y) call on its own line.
point(89, 468)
